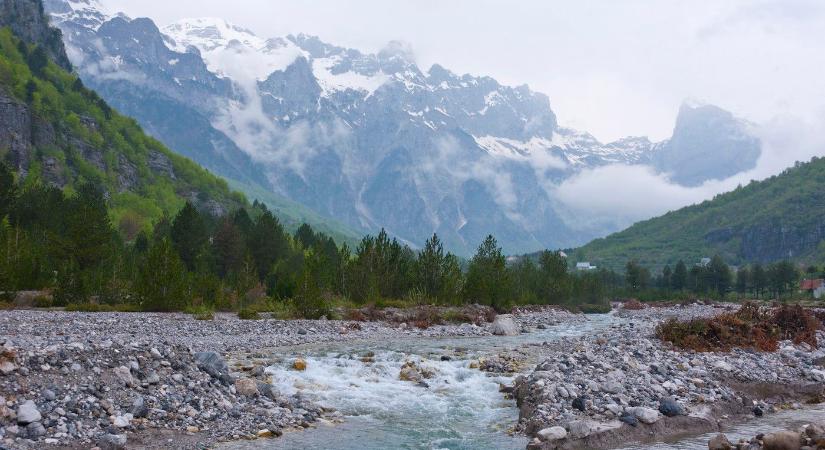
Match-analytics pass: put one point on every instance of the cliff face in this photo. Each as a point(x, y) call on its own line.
point(29, 22)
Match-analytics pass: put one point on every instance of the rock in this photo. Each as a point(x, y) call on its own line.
point(155, 353)
point(757, 411)
point(645, 415)
point(152, 378)
point(299, 364)
point(7, 367)
point(782, 440)
point(578, 429)
point(409, 373)
point(267, 390)
point(552, 434)
point(246, 387)
point(122, 421)
point(124, 375)
point(265, 433)
point(139, 408)
point(28, 413)
point(35, 430)
point(49, 395)
point(630, 420)
point(720, 442)
point(722, 365)
point(580, 403)
point(670, 407)
point(112, 442)
point(611, 387)
point(214, 365)
point(503, 325)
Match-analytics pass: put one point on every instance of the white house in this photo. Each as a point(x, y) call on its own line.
point(584, 266)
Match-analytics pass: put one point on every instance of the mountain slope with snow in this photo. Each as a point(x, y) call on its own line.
point(372, 140)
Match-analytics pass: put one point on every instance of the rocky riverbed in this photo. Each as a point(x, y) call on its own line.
point(623, 384)
point(153, 380)
point(82, 379)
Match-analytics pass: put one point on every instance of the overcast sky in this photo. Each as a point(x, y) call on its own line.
point(613, 68)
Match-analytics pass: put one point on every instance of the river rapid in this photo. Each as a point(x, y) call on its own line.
point(457, 408)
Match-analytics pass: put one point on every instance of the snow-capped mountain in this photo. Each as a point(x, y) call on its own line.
point(372, 140)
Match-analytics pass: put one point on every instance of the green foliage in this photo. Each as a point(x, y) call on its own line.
point(734, 225)
point(248, 314)
point(162, 283)
point(488, 282)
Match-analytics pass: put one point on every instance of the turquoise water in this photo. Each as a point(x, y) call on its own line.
point(461, 408)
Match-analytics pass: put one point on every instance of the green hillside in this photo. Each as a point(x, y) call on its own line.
point(782, 217)
point(56, 132)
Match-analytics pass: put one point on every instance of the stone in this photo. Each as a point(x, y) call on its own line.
point(122, 421)
point(720, 442)
point(630, 420)
point(611, 387)
point(49, 395)
point(299, 364)
point(246, 387)
point(124, 375)
point(35, 430)
point(155, 353)
point(112, 442)
point(7, 367)
point(503, 325)
point(552, 434)
point(28, 413)
point(265, 433)
point(722, 365)
point(782, 440)
point(139, 408)
point(670, 407)
point(409, 373)
point(214, 365)
point(152, 378)
point(578, 429)
point(580, 403)
point(645, 415)
point(267, 390)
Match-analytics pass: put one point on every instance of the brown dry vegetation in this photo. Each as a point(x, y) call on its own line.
point(751, 327)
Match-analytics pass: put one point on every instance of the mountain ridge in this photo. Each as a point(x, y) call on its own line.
point(354, 136)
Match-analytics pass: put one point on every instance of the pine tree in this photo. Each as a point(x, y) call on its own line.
point(228, 248)
point(189, 235)
point(555, 283)
point(430, 267)
point(667, 273)
point(680, 275)
point(759, 279)
point(487, 278)
point(162, 283)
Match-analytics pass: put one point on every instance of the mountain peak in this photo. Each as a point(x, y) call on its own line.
point(398, 49)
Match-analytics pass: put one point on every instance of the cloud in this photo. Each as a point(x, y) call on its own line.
point(616, 196)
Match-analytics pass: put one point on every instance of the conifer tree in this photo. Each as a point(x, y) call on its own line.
point(487, 278)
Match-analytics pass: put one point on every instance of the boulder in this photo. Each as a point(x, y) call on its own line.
point(124, 375)
point(782, 440)
point(246, 387)
point(629, 419)
point(299, 364)
point(112, 442)
point(670, 407)
point(28, 413)
point(720, 442)
point(580, 403)
point(552, 434)
point(214, 365)
point(645, 415)
point(139, 408)
point(409, 373)
point(503, 325)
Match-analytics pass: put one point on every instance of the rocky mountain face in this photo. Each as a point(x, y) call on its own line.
point(372, 140)
point(55, 131)
point(27, 20)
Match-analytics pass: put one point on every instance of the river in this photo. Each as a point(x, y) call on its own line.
point(460, 408)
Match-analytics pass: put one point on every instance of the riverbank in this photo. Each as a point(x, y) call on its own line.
point(78, 379)
point(624, 385)
point(145, 380)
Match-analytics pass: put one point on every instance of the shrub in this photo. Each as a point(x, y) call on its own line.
point(42, 301)
point(95, 307)
point(749, 327)
point(590, 308)
point(201, 312)
point(633, 305)
point(248, 314)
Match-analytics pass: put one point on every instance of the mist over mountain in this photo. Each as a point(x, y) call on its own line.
point(374, 140)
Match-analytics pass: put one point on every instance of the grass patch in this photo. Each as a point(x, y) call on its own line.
point(752, 327)
point(590, 308)
point(248, 314)
point(201, 312)
point(94, 307)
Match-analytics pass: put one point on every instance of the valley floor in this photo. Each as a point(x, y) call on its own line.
point(152, 380)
